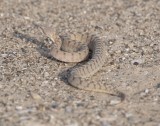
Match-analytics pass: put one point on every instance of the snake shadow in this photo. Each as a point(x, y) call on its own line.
point(41, 46)
point(44, 51)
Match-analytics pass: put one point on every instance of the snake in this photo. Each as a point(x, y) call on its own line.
point(75, 48)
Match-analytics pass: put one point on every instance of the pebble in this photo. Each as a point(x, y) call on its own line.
point(19, 107)
point(46, 74)
point(137, 61)
point(69, 109)
point(128, 115)
point(115, 101)
point(54, 104)
point(36, 96)
point(4, 55)
point(145, 92)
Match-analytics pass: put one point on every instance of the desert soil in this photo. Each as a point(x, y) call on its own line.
point(33, 87)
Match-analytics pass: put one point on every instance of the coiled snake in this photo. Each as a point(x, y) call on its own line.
point(75, 48)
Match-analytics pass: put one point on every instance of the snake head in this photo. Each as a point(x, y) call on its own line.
point(52, 35)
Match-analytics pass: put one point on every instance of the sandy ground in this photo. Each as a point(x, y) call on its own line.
point(32, 87)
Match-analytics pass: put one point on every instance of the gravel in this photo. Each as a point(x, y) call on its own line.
point(33, 88)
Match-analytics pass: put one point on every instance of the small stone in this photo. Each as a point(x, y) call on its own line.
point(146, 91)
point(19, 107)
point(68, 109)
point(36, 96)
point(155, 99)
point(128, 115)
point(54, 105)
point(46, 74)
point(115, 101)
point(137, 61)
point(84, 12)
point(4, 55)
point(1, 14)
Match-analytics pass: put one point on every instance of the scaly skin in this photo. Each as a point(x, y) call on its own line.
point(77, 77)
point(59, 49)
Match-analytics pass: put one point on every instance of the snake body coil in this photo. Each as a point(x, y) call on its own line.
point(78, 76)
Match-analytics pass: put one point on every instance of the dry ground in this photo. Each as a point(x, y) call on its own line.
point(32, 87)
